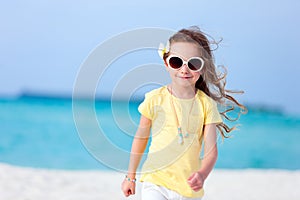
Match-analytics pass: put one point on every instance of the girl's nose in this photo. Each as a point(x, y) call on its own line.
point(184, 68)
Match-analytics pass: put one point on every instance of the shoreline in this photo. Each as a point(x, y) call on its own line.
point(20, 183)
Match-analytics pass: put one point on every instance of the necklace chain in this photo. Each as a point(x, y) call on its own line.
point(179, 127)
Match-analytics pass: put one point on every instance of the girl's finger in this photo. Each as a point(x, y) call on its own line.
point(196, 188)
point(192, 180)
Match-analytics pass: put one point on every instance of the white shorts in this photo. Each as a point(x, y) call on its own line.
point(151, 191)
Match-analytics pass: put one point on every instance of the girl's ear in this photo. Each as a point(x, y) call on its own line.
point(166, 65)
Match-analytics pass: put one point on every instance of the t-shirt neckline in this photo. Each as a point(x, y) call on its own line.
point(177, 98)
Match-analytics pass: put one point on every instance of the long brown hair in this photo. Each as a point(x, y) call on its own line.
point(211, 82)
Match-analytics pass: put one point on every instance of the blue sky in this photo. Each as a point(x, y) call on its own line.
point(43, 43)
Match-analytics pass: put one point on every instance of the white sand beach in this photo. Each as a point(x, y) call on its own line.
point(19, 183)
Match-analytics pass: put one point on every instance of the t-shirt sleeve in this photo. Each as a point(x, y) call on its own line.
point(212, 114)
point(146, 107)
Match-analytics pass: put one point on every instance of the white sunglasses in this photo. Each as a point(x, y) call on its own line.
point(195, 64)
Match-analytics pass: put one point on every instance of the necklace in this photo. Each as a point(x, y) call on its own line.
point(179, 127)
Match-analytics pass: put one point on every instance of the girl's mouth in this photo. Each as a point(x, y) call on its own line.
point(185, 77)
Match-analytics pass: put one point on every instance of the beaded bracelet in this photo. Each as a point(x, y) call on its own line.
point(130, 179)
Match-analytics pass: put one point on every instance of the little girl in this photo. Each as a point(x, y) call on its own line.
point(183, 118)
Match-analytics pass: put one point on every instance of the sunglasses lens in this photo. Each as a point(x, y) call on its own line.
point(175, 62)
point(195, 64)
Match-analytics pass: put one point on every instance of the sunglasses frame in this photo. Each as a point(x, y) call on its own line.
point(184, 62)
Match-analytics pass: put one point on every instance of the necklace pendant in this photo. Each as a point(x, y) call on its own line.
point(180, 139)
point(179, 130)
point(180, 136)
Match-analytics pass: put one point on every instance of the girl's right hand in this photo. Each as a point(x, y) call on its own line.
point(128, 188)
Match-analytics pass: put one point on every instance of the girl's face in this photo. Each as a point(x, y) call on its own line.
point(184, 77)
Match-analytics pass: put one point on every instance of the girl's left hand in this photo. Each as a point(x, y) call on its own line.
point(196, 181)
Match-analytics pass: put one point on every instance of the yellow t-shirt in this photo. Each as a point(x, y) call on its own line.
point(168, 162)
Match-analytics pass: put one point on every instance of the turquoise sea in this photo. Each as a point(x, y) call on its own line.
point(40, 132)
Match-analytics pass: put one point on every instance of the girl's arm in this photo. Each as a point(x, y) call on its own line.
point(138, 147)
point(196, 180)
